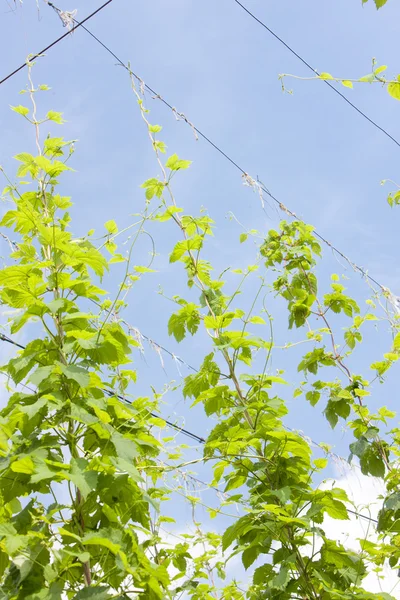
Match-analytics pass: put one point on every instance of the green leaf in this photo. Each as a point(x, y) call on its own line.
point(84, 480)
point(283, 494)
point(249, 556)
point(335, 509)
point(350, 338)
point(243, 237)
point(384, 412)
point(257, 320)
point(231, 534)
point(183, 246)
point(78, 374)
point(219, 321)
point(55, 116)
point(93, 593)
point(40, 375)
point(361, 393)
point(23, 465)
point(125, 466)
point(347, 83)
point(55, 305)
point(371, 463)
point(186, 319)
point(140, 269)
point(321, 463)
point(367, 78)
point(313, 397)
point(21, 110)
point(325, 76)
point(358, 448)
point(159, 145)
point(393, 89)
point(235, 482)
point(111, 226)
point(167, 214)
point(153, 187)
point(380, 3)
point(282, 579)
point(175, 163)
point(126, 449)
point(98, 539)
point(331, 416)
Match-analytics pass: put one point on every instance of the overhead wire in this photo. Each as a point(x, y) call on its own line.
point(250, 181)
point(39, 54)
point(363, 114)
point(225, 155)
point(182, 430)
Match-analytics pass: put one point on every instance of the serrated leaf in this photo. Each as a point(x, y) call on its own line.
point(153, 187)
point(282, 579)
point(93, 593)
point(125, 466)
point(21, 110)
point(125, 449)
point(335, 509)
point(249, 556)
point(78, 374)
point(98, 539)
point(175, 163)
point(84, 480)
point(40, 375)
point(55, 116)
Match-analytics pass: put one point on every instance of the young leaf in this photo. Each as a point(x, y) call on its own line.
point(111, 227)
point(21, 110)
point(394, 88)
point(175, 163)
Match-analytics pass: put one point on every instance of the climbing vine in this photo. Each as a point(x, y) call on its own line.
point(83, 471)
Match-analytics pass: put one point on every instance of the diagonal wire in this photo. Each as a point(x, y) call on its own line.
point(258, 184)
point(190, 434)
point(360, 112)
point(245, 175)
point(39, 54)
point(182, 430)
point(262, 187)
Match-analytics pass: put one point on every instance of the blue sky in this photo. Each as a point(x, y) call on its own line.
point(216, 65)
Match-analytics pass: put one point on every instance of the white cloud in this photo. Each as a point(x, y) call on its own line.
point(365, 493)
